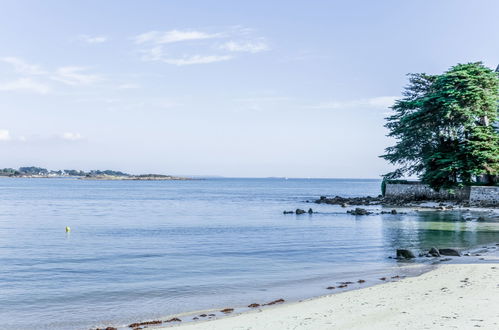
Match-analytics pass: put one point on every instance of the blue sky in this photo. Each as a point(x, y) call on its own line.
point(255, 88)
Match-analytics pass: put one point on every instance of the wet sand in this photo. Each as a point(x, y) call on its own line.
point(453, 296)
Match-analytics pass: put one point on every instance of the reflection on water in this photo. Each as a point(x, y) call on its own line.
point(141, 250)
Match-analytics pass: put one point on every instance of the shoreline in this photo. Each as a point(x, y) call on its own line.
point(418, 287)
point(448, 296)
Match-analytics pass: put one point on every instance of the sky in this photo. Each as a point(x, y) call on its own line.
point(229, 88)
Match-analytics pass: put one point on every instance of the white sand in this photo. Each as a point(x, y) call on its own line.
point(450, 297)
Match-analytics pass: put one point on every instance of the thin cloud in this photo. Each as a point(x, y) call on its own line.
point(129, 86)
point(25, 84)
point(375, 102)
point(69, 136)
point(166, 37)
point(170, 47)
point(5, 135)
point(23, 67)
point(246, 46)
point(69, 75)
point(196, 59)
point(75, 75)
point(93, 39)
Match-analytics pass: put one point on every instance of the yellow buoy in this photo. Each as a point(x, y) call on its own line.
point(68, 229)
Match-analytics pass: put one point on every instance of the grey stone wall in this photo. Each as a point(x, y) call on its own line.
point(484, 195)
point(422, 191)
point(477, 195)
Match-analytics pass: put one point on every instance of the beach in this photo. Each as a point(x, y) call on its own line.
point(453, 296)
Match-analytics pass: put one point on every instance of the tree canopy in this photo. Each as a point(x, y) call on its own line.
point(444, 127)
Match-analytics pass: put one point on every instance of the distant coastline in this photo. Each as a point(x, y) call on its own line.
point(110, 175)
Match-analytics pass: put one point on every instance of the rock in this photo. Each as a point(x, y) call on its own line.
point(405, 254)
point(383, 278)
point(446, 259)
point(135, 325)
point(310, 211)
point(449, 252)
point(288, 212)
point(203, 315)
point(331, 287)
point(253, 305)
point(278, 301)
point(300, 211)
point(175, 319)
point(344, 204)
point(342, 286)
point(359, 211)
point(360, 281)
point(393, 211)
point(227, 310)
point(434, 252)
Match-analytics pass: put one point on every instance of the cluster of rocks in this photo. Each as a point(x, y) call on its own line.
point(433, 252)
point(139, 324)
point(359, 211)
point(345, 201)
point(299, 211)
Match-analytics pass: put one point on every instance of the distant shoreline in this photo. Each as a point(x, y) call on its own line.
point(104, 177)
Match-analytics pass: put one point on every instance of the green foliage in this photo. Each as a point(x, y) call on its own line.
point(444, 127)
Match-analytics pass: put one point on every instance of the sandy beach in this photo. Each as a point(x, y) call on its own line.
point(453, 296)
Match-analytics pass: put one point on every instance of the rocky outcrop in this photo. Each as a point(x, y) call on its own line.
point(405, 254)
point(344, 201)
point(434, 252)
point(300, 211)
point(449, 252)
point(359, 211)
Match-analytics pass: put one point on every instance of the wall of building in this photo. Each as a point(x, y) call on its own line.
point(419, 191)
point(484, 195)
point(476, 195)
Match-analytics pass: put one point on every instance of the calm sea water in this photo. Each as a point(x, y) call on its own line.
point(140, 250)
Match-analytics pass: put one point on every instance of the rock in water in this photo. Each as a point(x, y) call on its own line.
point(310, 211)
point(449, 252)
point(359, 211)
point(405, 254)
point(300, 211)
point(434, 252)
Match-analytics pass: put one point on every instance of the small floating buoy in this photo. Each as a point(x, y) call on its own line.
point(68, 229)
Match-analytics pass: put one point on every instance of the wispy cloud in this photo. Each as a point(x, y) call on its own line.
point(68, 75)
point(128, 86)
point(196, 59)
point(25, 84)
point(245, 46)
point(23, 67)
point(93, 39)
point(5, 135)
point(183, 47)
point(75, 75)
point(166, 37)
point(69, 136)
point(381, 102)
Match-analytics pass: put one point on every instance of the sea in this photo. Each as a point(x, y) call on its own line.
point(143, 250)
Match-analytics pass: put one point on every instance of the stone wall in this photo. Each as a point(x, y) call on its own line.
point(484, 195)
point(476, 195)
point(419, 191)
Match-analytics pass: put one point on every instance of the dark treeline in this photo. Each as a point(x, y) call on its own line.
point(33, 170)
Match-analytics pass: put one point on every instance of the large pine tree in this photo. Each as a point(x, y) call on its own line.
point(444, 127)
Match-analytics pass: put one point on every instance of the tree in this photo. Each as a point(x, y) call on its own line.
point(444, 127)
